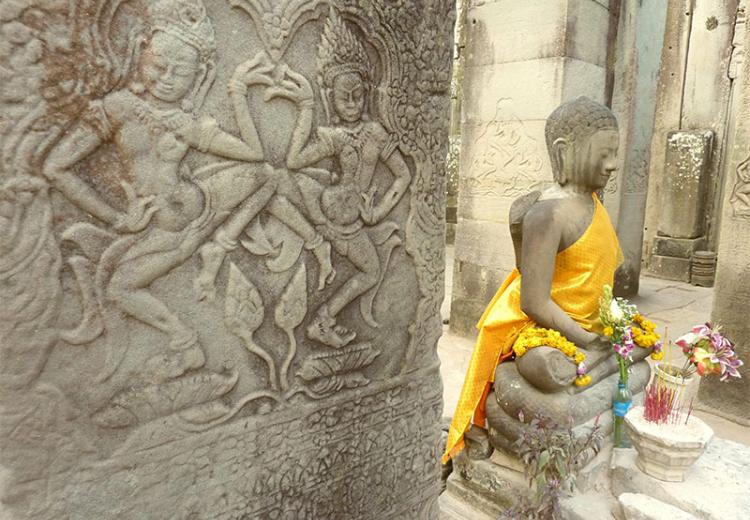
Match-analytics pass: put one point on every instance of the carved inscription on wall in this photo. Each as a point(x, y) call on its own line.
point(220, 257)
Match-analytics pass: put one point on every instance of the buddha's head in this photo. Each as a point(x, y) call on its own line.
point(177, 62)
point(582, 140)
point(343, 71)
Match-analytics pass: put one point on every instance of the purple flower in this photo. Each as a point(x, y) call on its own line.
point(581, 370)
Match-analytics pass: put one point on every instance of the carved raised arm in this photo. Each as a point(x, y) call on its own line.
point(252, 72)
point(303, 151)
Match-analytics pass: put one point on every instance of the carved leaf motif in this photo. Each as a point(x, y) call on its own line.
point(342, 361)
point(243, 309)
point(292, 305)
point(153, 401)
point(259, 243)
point(339, 382)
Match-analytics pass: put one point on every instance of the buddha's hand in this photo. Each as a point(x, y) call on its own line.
point(293, 86)
point(598, 342)
point(138, 213)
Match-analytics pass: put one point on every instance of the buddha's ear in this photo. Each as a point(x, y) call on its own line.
point(560, 153)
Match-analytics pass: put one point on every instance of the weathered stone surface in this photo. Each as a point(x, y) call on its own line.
point(721, 469)
point(481, 487)
point(670, 268)
point(460, 502)
point(637, 58)
point(682, 202)
point(695, 93)
point(667, 451)
point(588, 506)
point(222, 236)
point(636, 506)
point(732, 287)
point(678, 247)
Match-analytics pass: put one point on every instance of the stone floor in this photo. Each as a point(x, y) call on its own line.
point(675, 306)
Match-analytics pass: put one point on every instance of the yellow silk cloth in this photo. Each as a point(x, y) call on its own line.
point(581, 272)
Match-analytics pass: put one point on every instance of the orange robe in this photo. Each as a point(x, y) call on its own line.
point(581, 272)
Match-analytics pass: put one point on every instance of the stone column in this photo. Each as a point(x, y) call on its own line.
point(221, 237)
point(732, 290)
point(694, 99)
point(522, 60)
point(639, 43)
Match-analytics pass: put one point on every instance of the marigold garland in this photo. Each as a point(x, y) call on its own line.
point(645, 336)
point(533, 337)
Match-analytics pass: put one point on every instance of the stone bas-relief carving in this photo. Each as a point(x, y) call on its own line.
point(509, 148)
point(740, 197)
point(220, 257)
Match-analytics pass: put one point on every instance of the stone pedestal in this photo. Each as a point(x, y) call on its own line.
point(683, 200)
point(721, 469)
point(534, 55)
point(221, 227)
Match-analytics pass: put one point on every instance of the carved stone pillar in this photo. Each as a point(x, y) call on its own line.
point(694, 98)
point(221, 236)
point(523, 59)
point(732, 289)
point(639, 37)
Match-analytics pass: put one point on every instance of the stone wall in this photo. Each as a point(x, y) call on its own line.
point(522, 60)
point(694, 96)
point(221, 257)
point(732, 290)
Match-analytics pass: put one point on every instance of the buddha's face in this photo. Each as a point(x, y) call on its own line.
point(349, 97)
point(169, 67)
point(596, 160)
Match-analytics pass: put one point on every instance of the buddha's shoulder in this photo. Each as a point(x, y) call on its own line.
point(538, 207)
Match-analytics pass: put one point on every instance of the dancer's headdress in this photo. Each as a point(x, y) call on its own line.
point(340, 52)
point(186, 20)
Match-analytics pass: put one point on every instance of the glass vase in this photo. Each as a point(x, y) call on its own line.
point(621, 403)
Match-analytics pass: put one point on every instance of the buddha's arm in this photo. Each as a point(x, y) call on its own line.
point(542, 233)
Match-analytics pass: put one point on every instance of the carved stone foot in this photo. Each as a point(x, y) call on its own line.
point(324, 330)
point(212, 256)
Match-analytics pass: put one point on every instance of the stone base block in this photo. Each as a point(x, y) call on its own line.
point(635, 506)
point(715, 488)
point(460, 502)
point(670, 267)
point(678, 247)
point(588, 506)
point(481, 488)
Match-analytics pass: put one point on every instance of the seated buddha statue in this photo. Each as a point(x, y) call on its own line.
point(566, 253)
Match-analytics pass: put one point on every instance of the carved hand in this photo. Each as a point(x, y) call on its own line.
point(255, 71)
point(138, 213)
point(296, 88)
point(366, 206)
